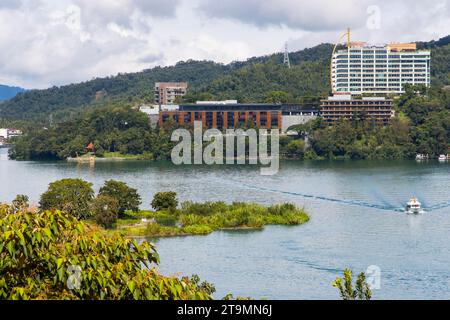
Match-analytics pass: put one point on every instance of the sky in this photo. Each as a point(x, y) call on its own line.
point(47, 43)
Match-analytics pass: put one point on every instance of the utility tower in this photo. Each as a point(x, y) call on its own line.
point(286, 61)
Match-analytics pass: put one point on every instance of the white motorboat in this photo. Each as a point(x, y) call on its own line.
point(414, 206)
point(443, 157)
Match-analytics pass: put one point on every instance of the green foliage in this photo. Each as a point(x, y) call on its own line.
point(164, 200)
point(116, 131)
point(203, 209)
point(278, 97)
point(197, 230)
point(73, 196)
point(345, 285)
point(253, 82)
point(201, 286)
point(127, 197)
point(105, 210)
point(51, 255)
point(295, 149)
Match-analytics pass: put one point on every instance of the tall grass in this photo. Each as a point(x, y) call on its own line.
point(203, 218)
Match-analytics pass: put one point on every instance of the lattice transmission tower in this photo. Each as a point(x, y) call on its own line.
point(286, 61)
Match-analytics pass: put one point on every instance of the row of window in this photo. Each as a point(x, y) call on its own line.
point(356, 64)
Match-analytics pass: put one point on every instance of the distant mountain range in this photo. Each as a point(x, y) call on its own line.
point(7, 92)
point(247, 81)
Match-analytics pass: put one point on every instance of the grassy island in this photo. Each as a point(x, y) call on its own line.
point(116, 209)
point(205, 218)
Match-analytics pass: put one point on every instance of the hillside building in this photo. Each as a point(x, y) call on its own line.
point(166, 93)
point(6, 133)
point(379, 69)
point(336, 108)
point(231, 115)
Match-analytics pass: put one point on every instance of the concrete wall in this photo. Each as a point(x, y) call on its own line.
point(289, 121)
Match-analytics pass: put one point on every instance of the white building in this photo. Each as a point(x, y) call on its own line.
point(384, 69)
point(152, 111)
point(4, 133)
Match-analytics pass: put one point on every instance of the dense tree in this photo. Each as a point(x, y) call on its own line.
point(127, 197)
point(278, 97)
point(164, 200)
point(51, 255)
point(295, 149)
point(73, 196)
point(105, 210)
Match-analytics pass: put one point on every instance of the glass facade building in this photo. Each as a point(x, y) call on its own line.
point(385, 69)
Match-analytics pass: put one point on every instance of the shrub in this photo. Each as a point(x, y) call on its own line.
point(281, 209)
point(296, 149)
point(164, 200)
point(157, 230)
point(128, 198)
point(198, 230)
point(51, 255)
point(106, 210)
point(73, 196)
point(203, 209)
point(362, 290)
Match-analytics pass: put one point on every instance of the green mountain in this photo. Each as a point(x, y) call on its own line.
point(254, 80)
point(7, 92)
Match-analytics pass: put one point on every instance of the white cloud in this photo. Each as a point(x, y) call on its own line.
point(305, 15)
point(54, 42)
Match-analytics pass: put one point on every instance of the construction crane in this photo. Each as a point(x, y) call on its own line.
point(348, 35)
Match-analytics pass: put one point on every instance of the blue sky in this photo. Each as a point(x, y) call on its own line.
point(56, 42)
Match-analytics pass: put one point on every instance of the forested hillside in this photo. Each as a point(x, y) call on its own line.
point(250, 80)
point(130, 87)
point(254, 80)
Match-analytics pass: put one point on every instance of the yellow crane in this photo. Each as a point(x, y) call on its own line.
point(346, 34)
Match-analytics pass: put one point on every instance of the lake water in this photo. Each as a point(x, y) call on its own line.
point(356, 222)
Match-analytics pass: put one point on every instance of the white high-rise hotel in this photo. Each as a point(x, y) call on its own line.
point(363, 68)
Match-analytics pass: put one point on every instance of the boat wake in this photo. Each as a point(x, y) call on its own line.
point(439, 206)
point(359, 203)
